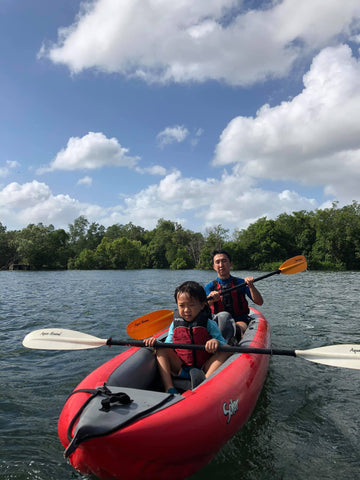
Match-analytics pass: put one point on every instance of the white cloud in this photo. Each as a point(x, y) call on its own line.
point(153, 170)
point(182, 41)
point(169, 135)
point(29, 194)
point(314, 139)
point(33, 202)
point(206, 202)
point(196, 137)
point(12, 164)
point(355, 38)
point(92, 151)
point(4, 171)
point(85, 181)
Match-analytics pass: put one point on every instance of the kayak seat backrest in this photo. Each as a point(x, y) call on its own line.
point(250, 333)
point(137, 371)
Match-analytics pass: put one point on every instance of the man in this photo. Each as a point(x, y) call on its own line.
point(234, 302)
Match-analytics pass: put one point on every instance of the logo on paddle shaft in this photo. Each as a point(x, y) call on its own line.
point(46, 334)
point(353, 350)
point(230, 410)
point(142, 322)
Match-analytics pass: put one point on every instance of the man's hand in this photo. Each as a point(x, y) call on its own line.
point(214, 296)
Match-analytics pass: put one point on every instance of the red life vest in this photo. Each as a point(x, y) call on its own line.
point(233, 302)
point(194, 332)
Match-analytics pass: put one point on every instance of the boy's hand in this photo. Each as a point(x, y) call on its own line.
point(211, 345)
point(149, 342)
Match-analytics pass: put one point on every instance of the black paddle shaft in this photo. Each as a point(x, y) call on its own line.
point(221, 348)
point(226, 290)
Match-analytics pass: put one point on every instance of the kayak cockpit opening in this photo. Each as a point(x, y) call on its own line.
point(140, 370)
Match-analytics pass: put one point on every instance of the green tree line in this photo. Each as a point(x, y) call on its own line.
point(329, 239)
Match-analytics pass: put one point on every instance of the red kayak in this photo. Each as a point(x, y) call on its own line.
point(119, 424)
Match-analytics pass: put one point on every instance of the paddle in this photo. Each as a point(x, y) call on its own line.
point(292, 265)
point(151, 323)
point(147, 325)
point(344, 356)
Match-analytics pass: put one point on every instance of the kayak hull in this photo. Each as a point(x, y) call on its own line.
point(176, 436)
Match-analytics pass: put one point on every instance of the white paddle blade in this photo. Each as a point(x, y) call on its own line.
point(344, 356)
point(61, 339)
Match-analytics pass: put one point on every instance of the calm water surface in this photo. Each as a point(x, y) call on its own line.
point(306, 424)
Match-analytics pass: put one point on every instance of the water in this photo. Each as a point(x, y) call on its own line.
point(306, 423)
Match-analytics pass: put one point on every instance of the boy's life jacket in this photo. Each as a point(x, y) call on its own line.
point(194, 332)
point(233, 302)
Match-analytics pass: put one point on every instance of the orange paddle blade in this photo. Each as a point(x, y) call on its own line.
point(149, 324)
point(294, 265)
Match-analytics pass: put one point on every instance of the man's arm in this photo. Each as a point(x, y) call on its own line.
point(254, 292)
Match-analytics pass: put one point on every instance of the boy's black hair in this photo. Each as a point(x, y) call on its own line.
point(194, 289)
point(218, 252)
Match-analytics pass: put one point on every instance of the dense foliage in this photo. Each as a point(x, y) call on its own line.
point(329, 239)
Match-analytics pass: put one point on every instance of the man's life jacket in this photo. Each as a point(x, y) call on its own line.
point(194, 332)
point(233, 302)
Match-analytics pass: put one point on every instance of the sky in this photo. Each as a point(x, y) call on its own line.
point(205, 113)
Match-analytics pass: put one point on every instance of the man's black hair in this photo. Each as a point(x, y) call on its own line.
point(218, 252)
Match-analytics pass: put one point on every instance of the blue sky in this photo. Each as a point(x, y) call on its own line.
point(204, 113)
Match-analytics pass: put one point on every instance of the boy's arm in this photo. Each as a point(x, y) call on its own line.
point(214, 331)
point(170, 334)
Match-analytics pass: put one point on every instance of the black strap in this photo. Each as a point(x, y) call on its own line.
point(121, 397)
point(111, 397)
point(82, 436)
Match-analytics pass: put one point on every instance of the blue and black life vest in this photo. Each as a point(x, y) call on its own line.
point(233, 302)
point(194, 332)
